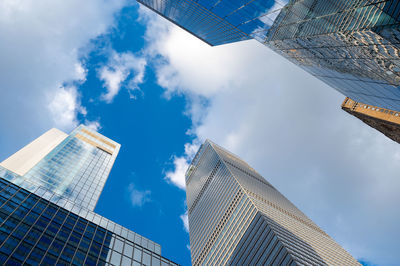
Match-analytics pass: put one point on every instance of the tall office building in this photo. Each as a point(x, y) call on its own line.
point(237, 218)
point(48, 192)
point(385, 121)
point(352, 45)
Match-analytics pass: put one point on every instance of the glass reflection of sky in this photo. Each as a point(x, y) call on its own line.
point(220, 21)
point(115, 231)
point(353, 46)
point(74, 169)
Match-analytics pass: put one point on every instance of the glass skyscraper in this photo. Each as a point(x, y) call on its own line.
point(352, 45)
point(48, 192)
point(236, 217)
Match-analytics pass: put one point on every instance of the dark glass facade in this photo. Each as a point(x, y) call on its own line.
point(352, 45)
point(36, 231)
point(47, 214)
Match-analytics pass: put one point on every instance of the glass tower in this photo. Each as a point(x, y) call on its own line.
point(48, 192)
point(352, 45)
point(236, 217)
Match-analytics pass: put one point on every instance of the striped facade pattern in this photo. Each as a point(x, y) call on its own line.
point(236, 217)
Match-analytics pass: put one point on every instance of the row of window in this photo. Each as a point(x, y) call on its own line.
point(83, 212)
point(36, 231)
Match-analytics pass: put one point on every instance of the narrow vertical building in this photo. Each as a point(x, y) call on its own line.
point(384, 120)
point(237, 218)
point(48, 193)
point(352, 45)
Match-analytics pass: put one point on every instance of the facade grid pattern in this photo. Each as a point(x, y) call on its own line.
point(353, 46)
point(76, 169)
point(47, 215)
point(35, 231)
point(237, 218)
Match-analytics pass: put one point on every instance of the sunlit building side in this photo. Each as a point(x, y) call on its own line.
point(236, 217)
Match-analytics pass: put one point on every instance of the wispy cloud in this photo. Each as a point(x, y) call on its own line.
point(181, 164)
point(185, 220)
point(93, 125)
point(138, 197)
point(123, 69)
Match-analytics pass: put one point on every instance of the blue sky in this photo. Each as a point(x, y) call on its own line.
point(160, 92)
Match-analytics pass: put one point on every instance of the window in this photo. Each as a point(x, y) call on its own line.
point(35, 257)
point(79, 257)
point(50, 259)
point(138, 255)
point(128, 250)
point(146, 259)
point(118, 245)
point(116, 258)
point(155, 261)
point(126, 261)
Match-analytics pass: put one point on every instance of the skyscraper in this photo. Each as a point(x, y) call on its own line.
point(352, 45)
point(237, 218)
point(385, 121)
point(48, 192)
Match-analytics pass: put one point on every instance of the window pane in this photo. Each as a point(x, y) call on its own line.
point(146, 259)
point(116, 258)
point(118, 245)
point(128, 250)
point(138, 255)
point(126, 261)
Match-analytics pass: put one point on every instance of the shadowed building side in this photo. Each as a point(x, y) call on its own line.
point(385, 121)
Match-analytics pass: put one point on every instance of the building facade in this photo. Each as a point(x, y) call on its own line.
point(236, 217)
point(385, 121)
point(352, 45)
point(48, 192)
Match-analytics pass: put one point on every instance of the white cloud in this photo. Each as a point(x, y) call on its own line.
point(93, 125)
point(288, 126)
point(42, 42)
point(177, 177)
point(121, 68)
point(181, 164)
point(64, 107)
point(185, 220)
point(80, 72)
point(138, 197)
